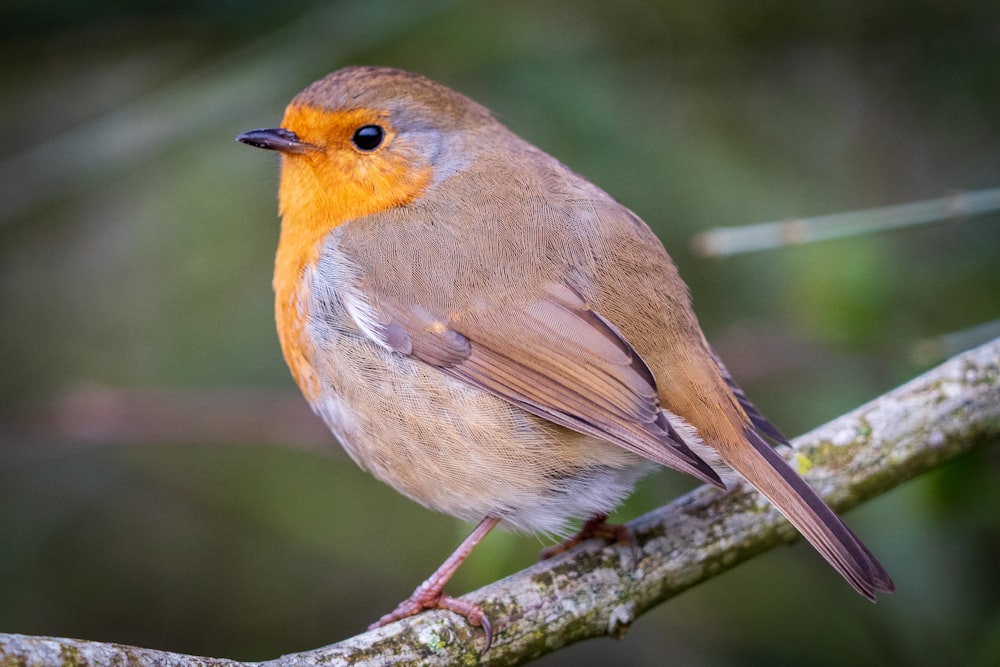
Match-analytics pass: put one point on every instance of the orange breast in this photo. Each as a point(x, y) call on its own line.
point(321, 190)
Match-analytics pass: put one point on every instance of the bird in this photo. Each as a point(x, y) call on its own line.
point(494, 336)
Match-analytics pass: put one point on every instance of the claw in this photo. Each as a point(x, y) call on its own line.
point(472, 613)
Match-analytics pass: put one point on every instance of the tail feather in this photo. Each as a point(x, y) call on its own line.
point(774, 478)
point(763, 425)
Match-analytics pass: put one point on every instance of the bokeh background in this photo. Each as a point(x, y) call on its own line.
point(161, 482)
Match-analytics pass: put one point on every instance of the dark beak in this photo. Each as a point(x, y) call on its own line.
point(276, 139)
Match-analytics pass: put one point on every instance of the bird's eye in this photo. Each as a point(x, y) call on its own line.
point(368, 137)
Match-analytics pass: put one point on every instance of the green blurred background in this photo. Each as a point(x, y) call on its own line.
point(161, 482)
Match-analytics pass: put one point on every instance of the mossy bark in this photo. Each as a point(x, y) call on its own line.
point(597, 590)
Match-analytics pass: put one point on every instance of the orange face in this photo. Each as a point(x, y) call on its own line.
point(339, 181)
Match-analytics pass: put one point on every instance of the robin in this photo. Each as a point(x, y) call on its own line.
point(494, 336)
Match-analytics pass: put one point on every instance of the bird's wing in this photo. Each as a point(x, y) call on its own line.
point(556, 358)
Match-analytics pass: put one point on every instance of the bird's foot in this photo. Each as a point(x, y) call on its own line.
point(425, 598)
point(595, 528)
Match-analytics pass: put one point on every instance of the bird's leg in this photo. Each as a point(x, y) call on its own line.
point(595, 527)
point(430, 595)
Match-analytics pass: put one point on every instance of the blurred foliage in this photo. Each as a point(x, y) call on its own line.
point(135, 247)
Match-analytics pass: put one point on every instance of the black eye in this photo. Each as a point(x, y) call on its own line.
point(369, 137)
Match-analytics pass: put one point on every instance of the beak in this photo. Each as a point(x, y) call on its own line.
point(276, 139)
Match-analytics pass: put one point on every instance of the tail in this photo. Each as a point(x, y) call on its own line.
point(775, 479)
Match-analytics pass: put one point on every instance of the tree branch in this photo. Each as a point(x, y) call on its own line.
point(600, 590)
